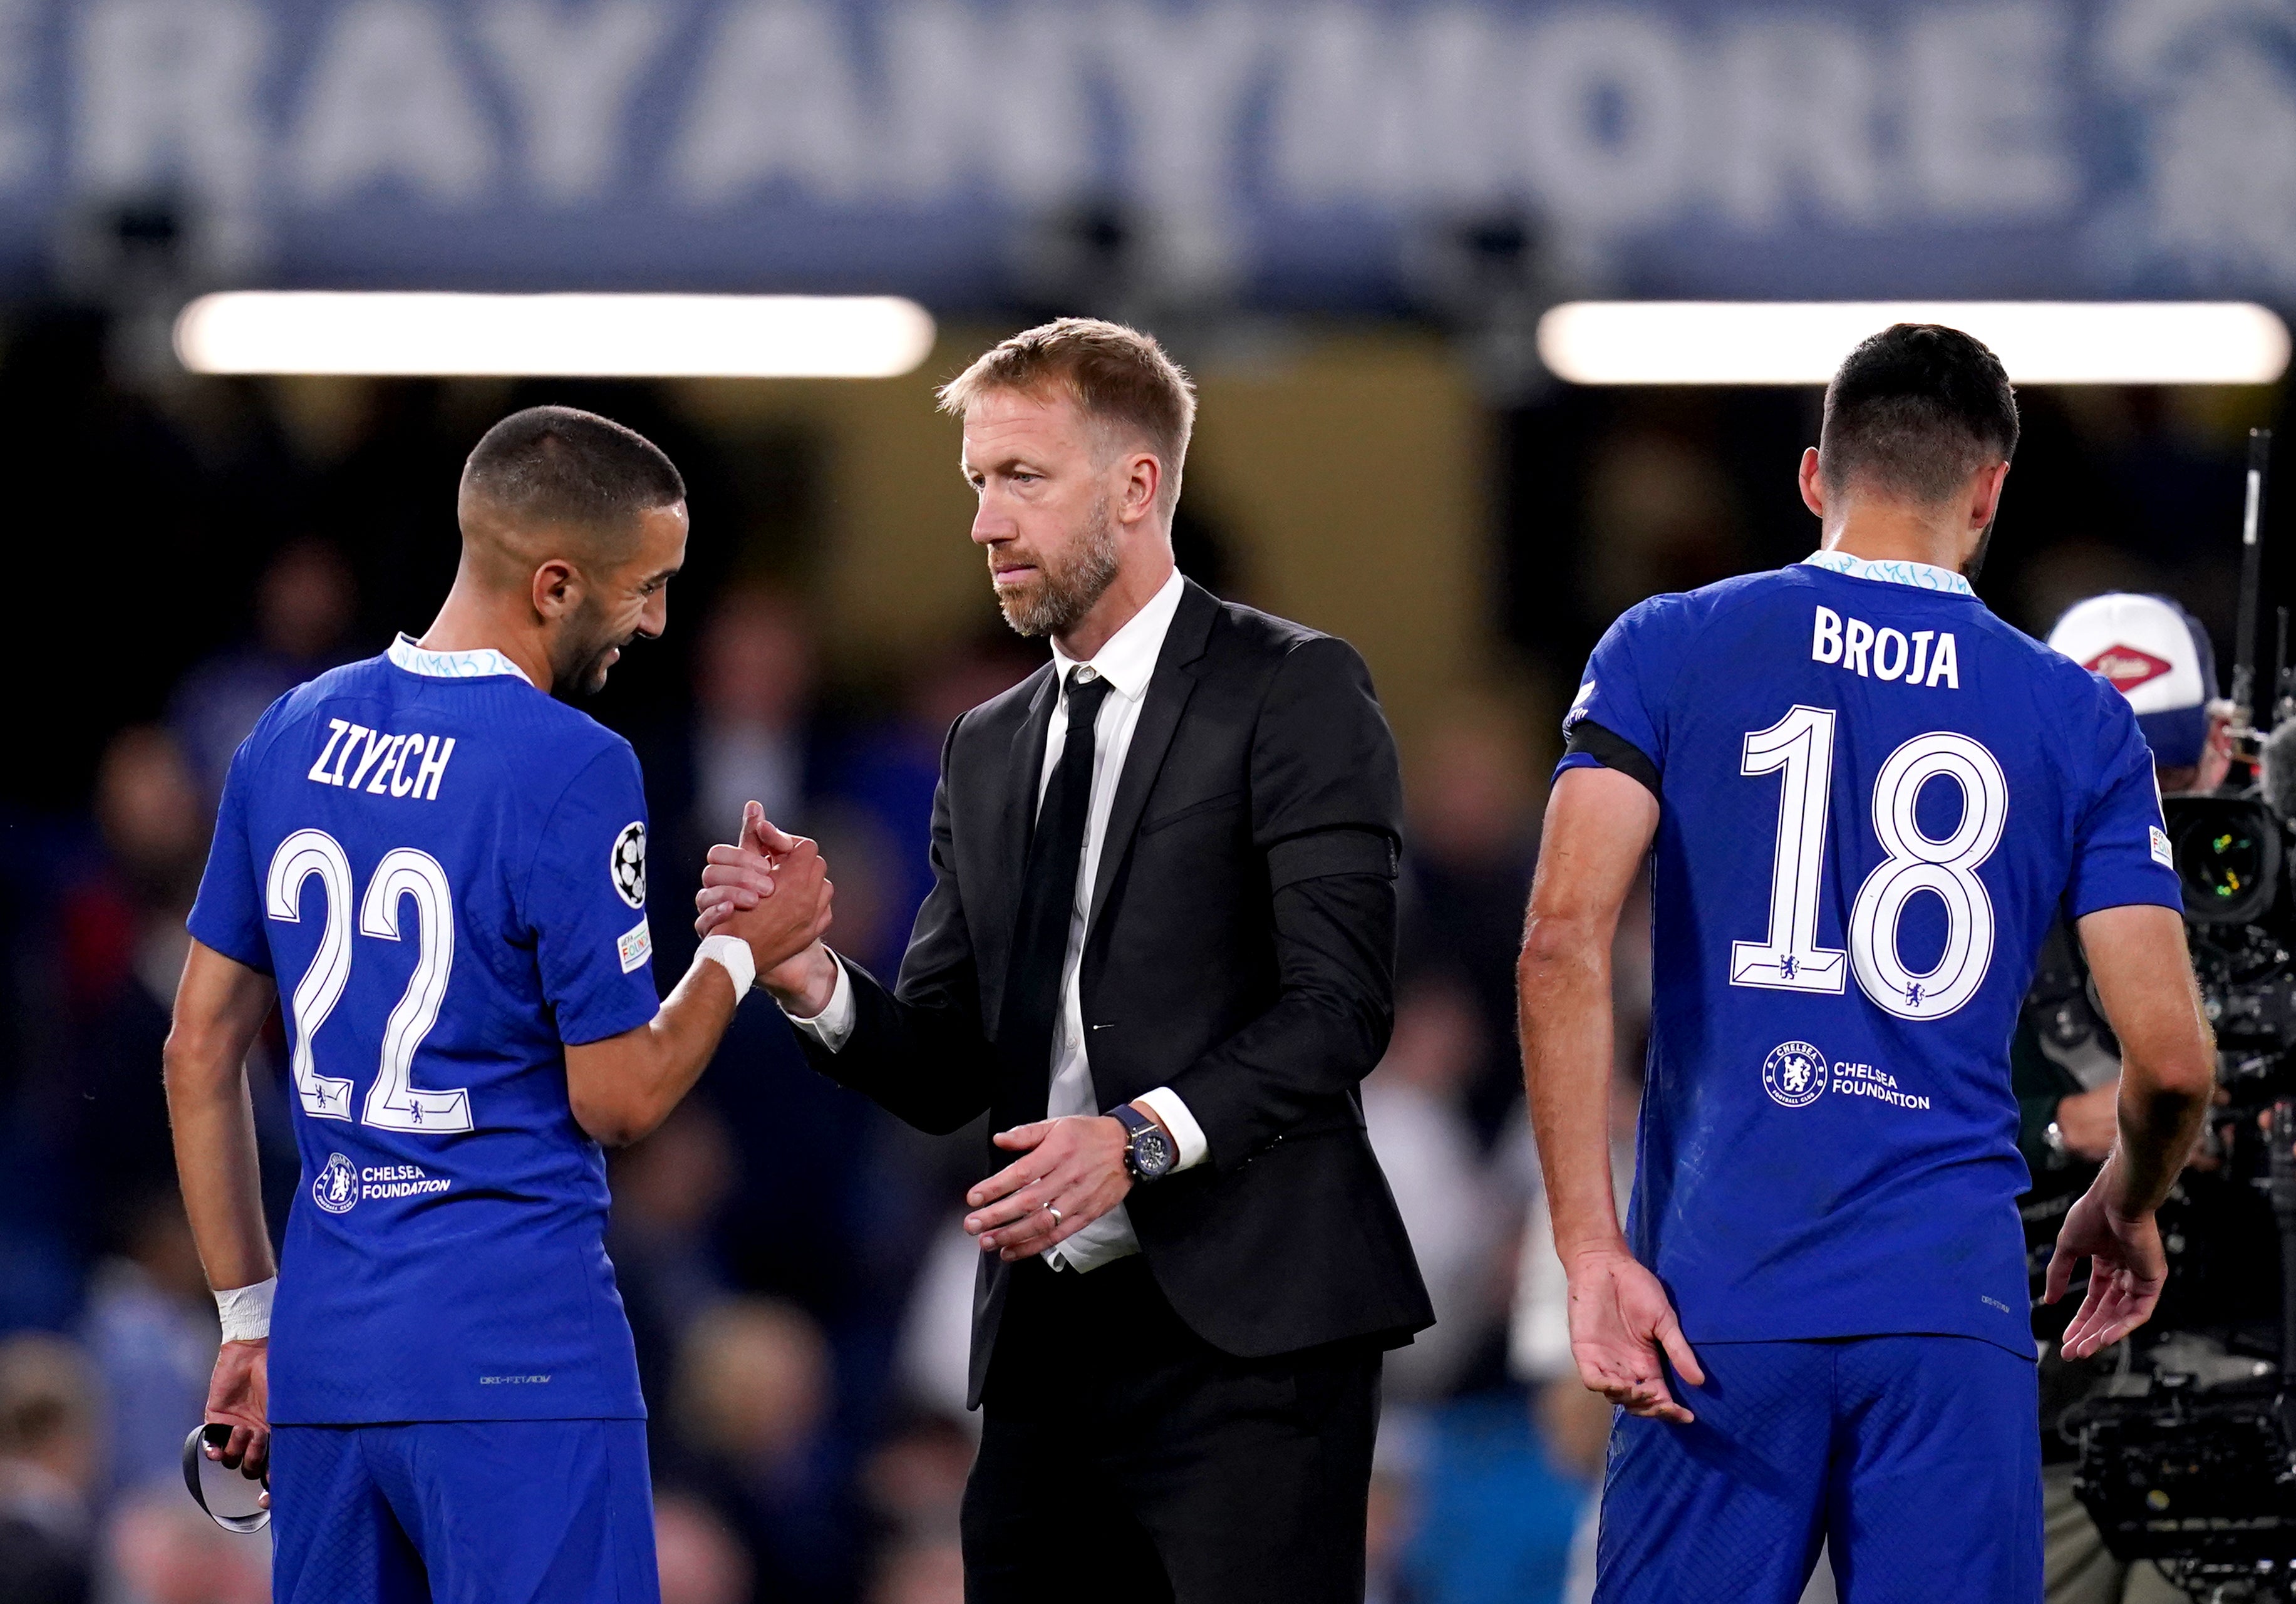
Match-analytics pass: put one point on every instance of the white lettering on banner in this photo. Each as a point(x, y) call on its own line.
point(169, 95)
point(388, 103)
point(1753, 128)
point(777, 100)
point(572, 72)
point(1797, 104)
point(941, 132)
point(1372, 106)
point(1984, 113)
point(1860, 649)
point(1574, 66)
point(1182, 77)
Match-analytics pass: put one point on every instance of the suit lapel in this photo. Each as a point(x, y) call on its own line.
point(1168, 689)
point(1025, 769)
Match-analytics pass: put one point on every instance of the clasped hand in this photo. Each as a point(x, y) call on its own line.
point(772, 891)
point(1072, 1171)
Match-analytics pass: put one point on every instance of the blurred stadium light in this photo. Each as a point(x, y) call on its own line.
point(1789, 342)
point(559, 336)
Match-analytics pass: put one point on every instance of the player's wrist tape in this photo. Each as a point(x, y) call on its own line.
point(733, 953)
point(246, 1311)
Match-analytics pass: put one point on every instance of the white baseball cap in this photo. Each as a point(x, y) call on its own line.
point(2154, 653)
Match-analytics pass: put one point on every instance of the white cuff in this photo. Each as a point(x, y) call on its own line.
point(1187, 1133)
point(246, 1311)
point(733, 954)
point(833, 1024)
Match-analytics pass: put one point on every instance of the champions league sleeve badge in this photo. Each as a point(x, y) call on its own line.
point(627, 864)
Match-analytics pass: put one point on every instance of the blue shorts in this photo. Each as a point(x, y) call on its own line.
point(463, 1512)
point(1918, 1459)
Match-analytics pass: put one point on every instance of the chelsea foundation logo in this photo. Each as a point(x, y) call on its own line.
point(336, 1187)
point(1794, 1074)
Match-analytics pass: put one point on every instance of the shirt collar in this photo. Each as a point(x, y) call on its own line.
point(477, 664)
point(1921, 575)
point(1129, 657)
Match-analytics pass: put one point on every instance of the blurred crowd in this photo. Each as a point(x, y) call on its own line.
point(791, 1257)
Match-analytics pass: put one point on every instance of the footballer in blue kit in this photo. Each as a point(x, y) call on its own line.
point(439, 870)
point(1864, 800)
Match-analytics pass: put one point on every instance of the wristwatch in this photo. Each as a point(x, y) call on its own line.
point(1147, 1151)
point(2053, 1139)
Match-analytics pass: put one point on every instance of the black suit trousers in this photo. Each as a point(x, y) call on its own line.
point(1125, 1461)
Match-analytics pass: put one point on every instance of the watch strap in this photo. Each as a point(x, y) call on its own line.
point(1137, 1124)
point(1131, 1119)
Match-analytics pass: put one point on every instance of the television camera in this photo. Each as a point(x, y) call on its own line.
point(2188, 1452)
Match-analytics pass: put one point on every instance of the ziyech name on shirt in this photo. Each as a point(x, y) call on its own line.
point(1925, 657)
point(411, 764)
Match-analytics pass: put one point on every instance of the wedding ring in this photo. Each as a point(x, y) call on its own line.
point(1055, 1214)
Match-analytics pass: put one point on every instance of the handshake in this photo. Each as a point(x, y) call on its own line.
point(772, 890)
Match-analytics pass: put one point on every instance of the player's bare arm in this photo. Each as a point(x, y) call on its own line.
point(2143, 978)
point(220, 1005)
point(1599, 825)
point(624, 1086)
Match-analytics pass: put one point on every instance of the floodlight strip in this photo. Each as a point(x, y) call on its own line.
point(442, 334)
point(1802, 343)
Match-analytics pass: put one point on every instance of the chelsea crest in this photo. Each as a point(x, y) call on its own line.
point(335, 1187)
point(1794, 1074)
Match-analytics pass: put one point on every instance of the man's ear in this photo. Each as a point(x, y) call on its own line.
point(1143, 478)
point(557, 589)
point(1985, 499)
point(1813, 483)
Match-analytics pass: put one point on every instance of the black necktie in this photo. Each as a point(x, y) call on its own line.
point(1040, 940)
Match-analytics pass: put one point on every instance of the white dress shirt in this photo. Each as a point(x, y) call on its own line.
point(1127, 661)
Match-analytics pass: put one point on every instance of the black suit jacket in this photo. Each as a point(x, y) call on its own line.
point(1241, 950)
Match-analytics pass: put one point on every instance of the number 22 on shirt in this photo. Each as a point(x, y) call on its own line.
point(394, 1103)
point(1800, 747)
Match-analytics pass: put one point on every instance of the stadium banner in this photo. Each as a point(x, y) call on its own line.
point(1290, 153)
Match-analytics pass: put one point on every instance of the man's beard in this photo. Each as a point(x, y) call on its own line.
point(1059, 596)
point(1976, 563)
point(580, 666)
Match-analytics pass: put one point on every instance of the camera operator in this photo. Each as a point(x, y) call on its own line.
point(2065, 1066)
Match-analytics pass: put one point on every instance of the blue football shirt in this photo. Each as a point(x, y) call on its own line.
point(445, 868)
point(1875, 799)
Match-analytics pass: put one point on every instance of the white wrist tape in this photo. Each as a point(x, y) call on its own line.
point(246, 1311)
point(733, 954)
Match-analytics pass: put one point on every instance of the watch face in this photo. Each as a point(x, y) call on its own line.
point(1151, 1155)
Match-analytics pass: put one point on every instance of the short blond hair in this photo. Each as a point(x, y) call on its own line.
point(1118, 377)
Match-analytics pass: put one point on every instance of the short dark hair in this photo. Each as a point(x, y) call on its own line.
point(1915, 411)
point(559, 466)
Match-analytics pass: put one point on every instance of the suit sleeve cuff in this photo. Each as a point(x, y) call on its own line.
point(833, 1025)
point(1186, 1132)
